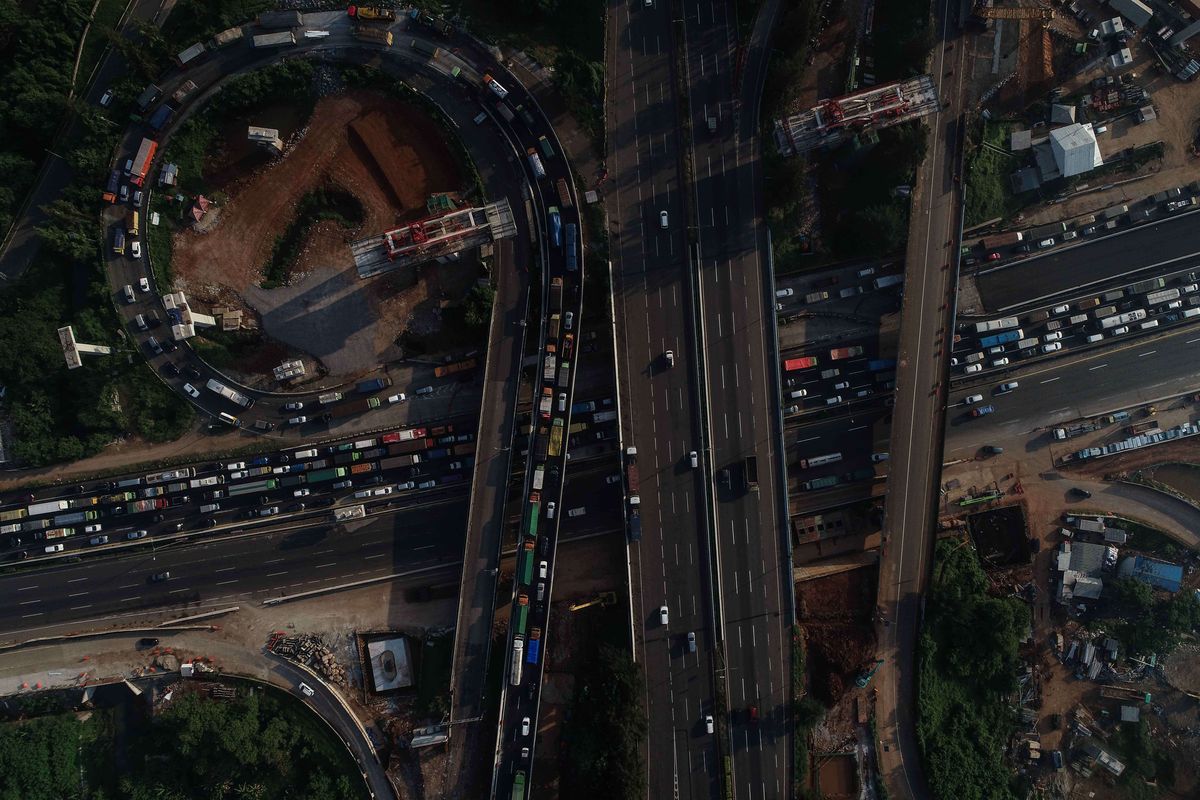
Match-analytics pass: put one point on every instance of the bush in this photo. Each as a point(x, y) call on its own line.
point(604, 733)
point(319, 204)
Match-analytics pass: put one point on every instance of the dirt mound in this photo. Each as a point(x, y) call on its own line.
point(835, 613)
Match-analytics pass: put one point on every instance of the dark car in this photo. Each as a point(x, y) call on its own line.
point(170, 369)
point(211, 522)
point(322, 502)
point(159, 577)
point(192, 372)
point(148, 641)
point(181, 500)
point(1081, 493)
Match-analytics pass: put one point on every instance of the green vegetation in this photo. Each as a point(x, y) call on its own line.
point(433, 678)
point(1145, 624)
point(864, 212)
point(1143, 761)
point(316, 206)
point(604, 734)
point(1151, 540)
point(988, 167)
point(565, 34)
point(968, 663)
point(902, 39)
point(794, 29)
point(259, 745)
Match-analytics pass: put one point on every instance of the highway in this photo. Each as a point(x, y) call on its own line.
point(659, 402)
point(737, 305)
point(1157, 247)
point(915, 465)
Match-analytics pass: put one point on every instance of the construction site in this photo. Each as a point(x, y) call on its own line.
point(272, 256)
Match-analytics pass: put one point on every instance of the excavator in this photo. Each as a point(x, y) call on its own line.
point(602, 599)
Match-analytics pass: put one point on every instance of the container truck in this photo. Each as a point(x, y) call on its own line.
point(564, 375)
point(83, 502)
point(839, 353)
point(458, 366)
point(887, 280)
point(550, 363)
point(799, 363)
point(1024, 343)
point(324, 475)
point(364, 467)
point(564, 192)
point(49, 507)
point(556, 294)
point(59, 533)
point(410, 446)
point(1162, 296)
point(1123, 319)
point(354, 407)
point(750, 473)
point(75, 518)
point(1114, 212)
point(1045, 231)
point(1142, 287)
point(274, 39)
point(139, 506)
point(514, 677)
point(406, 435)
point(542, 442)
point(997, 339)
point(399, 461)
point(225, 37)
point(604, 416)
point(374, 35)
point(555, 223)
point(635, 525)
point(142, 161)
point(535, 163)
point(556, 438)
point(35, 524)
point(632, 477)
point(570, 248)
point(373, 385)
point(270, 20)
point(532, 653)
point(1078, 319)
point(231, 395)
point(881, 364)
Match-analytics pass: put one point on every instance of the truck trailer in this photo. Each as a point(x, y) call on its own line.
point(142, 161)
point(356, 406)
point(274, 39)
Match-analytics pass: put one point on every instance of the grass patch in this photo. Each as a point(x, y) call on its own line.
point(194, 21)
point(433, 686)
point(967, 666)
point(1152, 541)
point(316, 206)
point(104, 23)
point(987, 190)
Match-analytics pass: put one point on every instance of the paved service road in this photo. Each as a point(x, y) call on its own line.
point(659, 402)
point(921, 374)
point(1172, 244)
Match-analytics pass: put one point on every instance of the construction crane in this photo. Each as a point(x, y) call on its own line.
point(1046, 15)
point(604, 599)
point(866, 676)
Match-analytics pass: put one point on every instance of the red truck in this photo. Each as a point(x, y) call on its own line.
point(799, 363)
point(142, 161)
point(998, 240)
point(459, 366)
point(632, 478)
point(564, 193)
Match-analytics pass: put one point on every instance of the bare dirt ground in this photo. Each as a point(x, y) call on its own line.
point(389, 156)
point(827, 73)
point(835, 614)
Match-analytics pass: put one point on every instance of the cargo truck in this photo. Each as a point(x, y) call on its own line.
point(1002, 324)
point(373, 385)
point(998, 240)
point(1024, 343)
point(995, 340)
point(1078, 319)
point(556, 294)
point(554, 221)
point(225, 37)
point(1162, 296)
point(820, 461)
point(374, 35)
point(59, 533)
point(887, 280)
point(635, 525)
point(604, 416)
point(632, 477)
point(189, 55)
point(542, 442)
point(148, 96)
point(1134, 429)
point(514, 677)
point(535, 163)
point(546, 404)
point(564, 192)
point(273, 39)
point(1123, 319)
point(83, 502)
point(456, 367)
point(750, 472)
point(570, 249)
point(142, 161)
point(816, 297)
point(1071, 431)
point(820, 483)
point(410, 446)
point(564, 375)
point(354, 407)
point(839, 353)
point(556, 438)
point(549, 365)
point(74, 518)
point(371, 14)
point(1142, 287)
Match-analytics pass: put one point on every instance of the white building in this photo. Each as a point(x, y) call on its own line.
point(1075, 149)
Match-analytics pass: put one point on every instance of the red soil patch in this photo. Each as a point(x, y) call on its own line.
point(835, 614)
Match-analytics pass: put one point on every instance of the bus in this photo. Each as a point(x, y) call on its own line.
point(229, 394)
point(322, 475)
point(820, 461)
point(252, 487)
point(518, 792)
point(515, 678)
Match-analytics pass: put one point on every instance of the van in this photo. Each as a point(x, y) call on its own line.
point(1099, 337)
point(796, 395)
point(228, 419)
point(1191, 312)
point(1148, 325)
point(547, 150)
point(129, 295)
point(541, 591)
point(830, 373)
point(480, 118)
point(831, 401)
point(424, 390)
point(302, 454)
point(140, 321)
point(154, 346)
point(209, 508)
point(427, 484)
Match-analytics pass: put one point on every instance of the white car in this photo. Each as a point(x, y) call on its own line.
point(237, 475)
point(663, 616)
point(1005, 388)
point(293, 406)
point(525, 726)
point(562, 401)
point(662, 220)
point(306, 690)
point(1052, 337)
point(543, 569)
point(302, 493)
point(954, 361)
point(397, 398)
point(406, 486)
point(54, 548)
point(382, 490)
point(106, 98)
point(1191, 287)
point(235, 465)
point(300, 420)
point(144, 284)
point(784, 292)
point(550, 509)
point(1044, 243)
point(694, 458)
point(1052, 347)
point(136, 535)
point(1120, 330)
point(1000, 362)
point(972, 399)
point(972, 368)
point(95, 527)
point(569, 320)
point(135, 249)
point(670, 357)
point(1063, 309)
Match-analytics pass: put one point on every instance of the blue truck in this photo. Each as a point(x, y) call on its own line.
point(555, 221)
point(373, 385)
point(881, 364)
point(635, 525)
point(160, 117)
point(572, 259)
point(531, 650)
point(1002, 338)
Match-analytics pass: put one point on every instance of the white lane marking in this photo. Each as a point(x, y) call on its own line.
point(76, 580)
point(1098, 366)
point(809, 439)
point(1051, 380)
point(273, 574)
point(226, 583)
point(1148, 353)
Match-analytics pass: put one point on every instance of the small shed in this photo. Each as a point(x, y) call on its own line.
point(1147, 114)
point(1062, 114)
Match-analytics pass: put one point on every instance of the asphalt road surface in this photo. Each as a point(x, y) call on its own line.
point(1154, 248)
